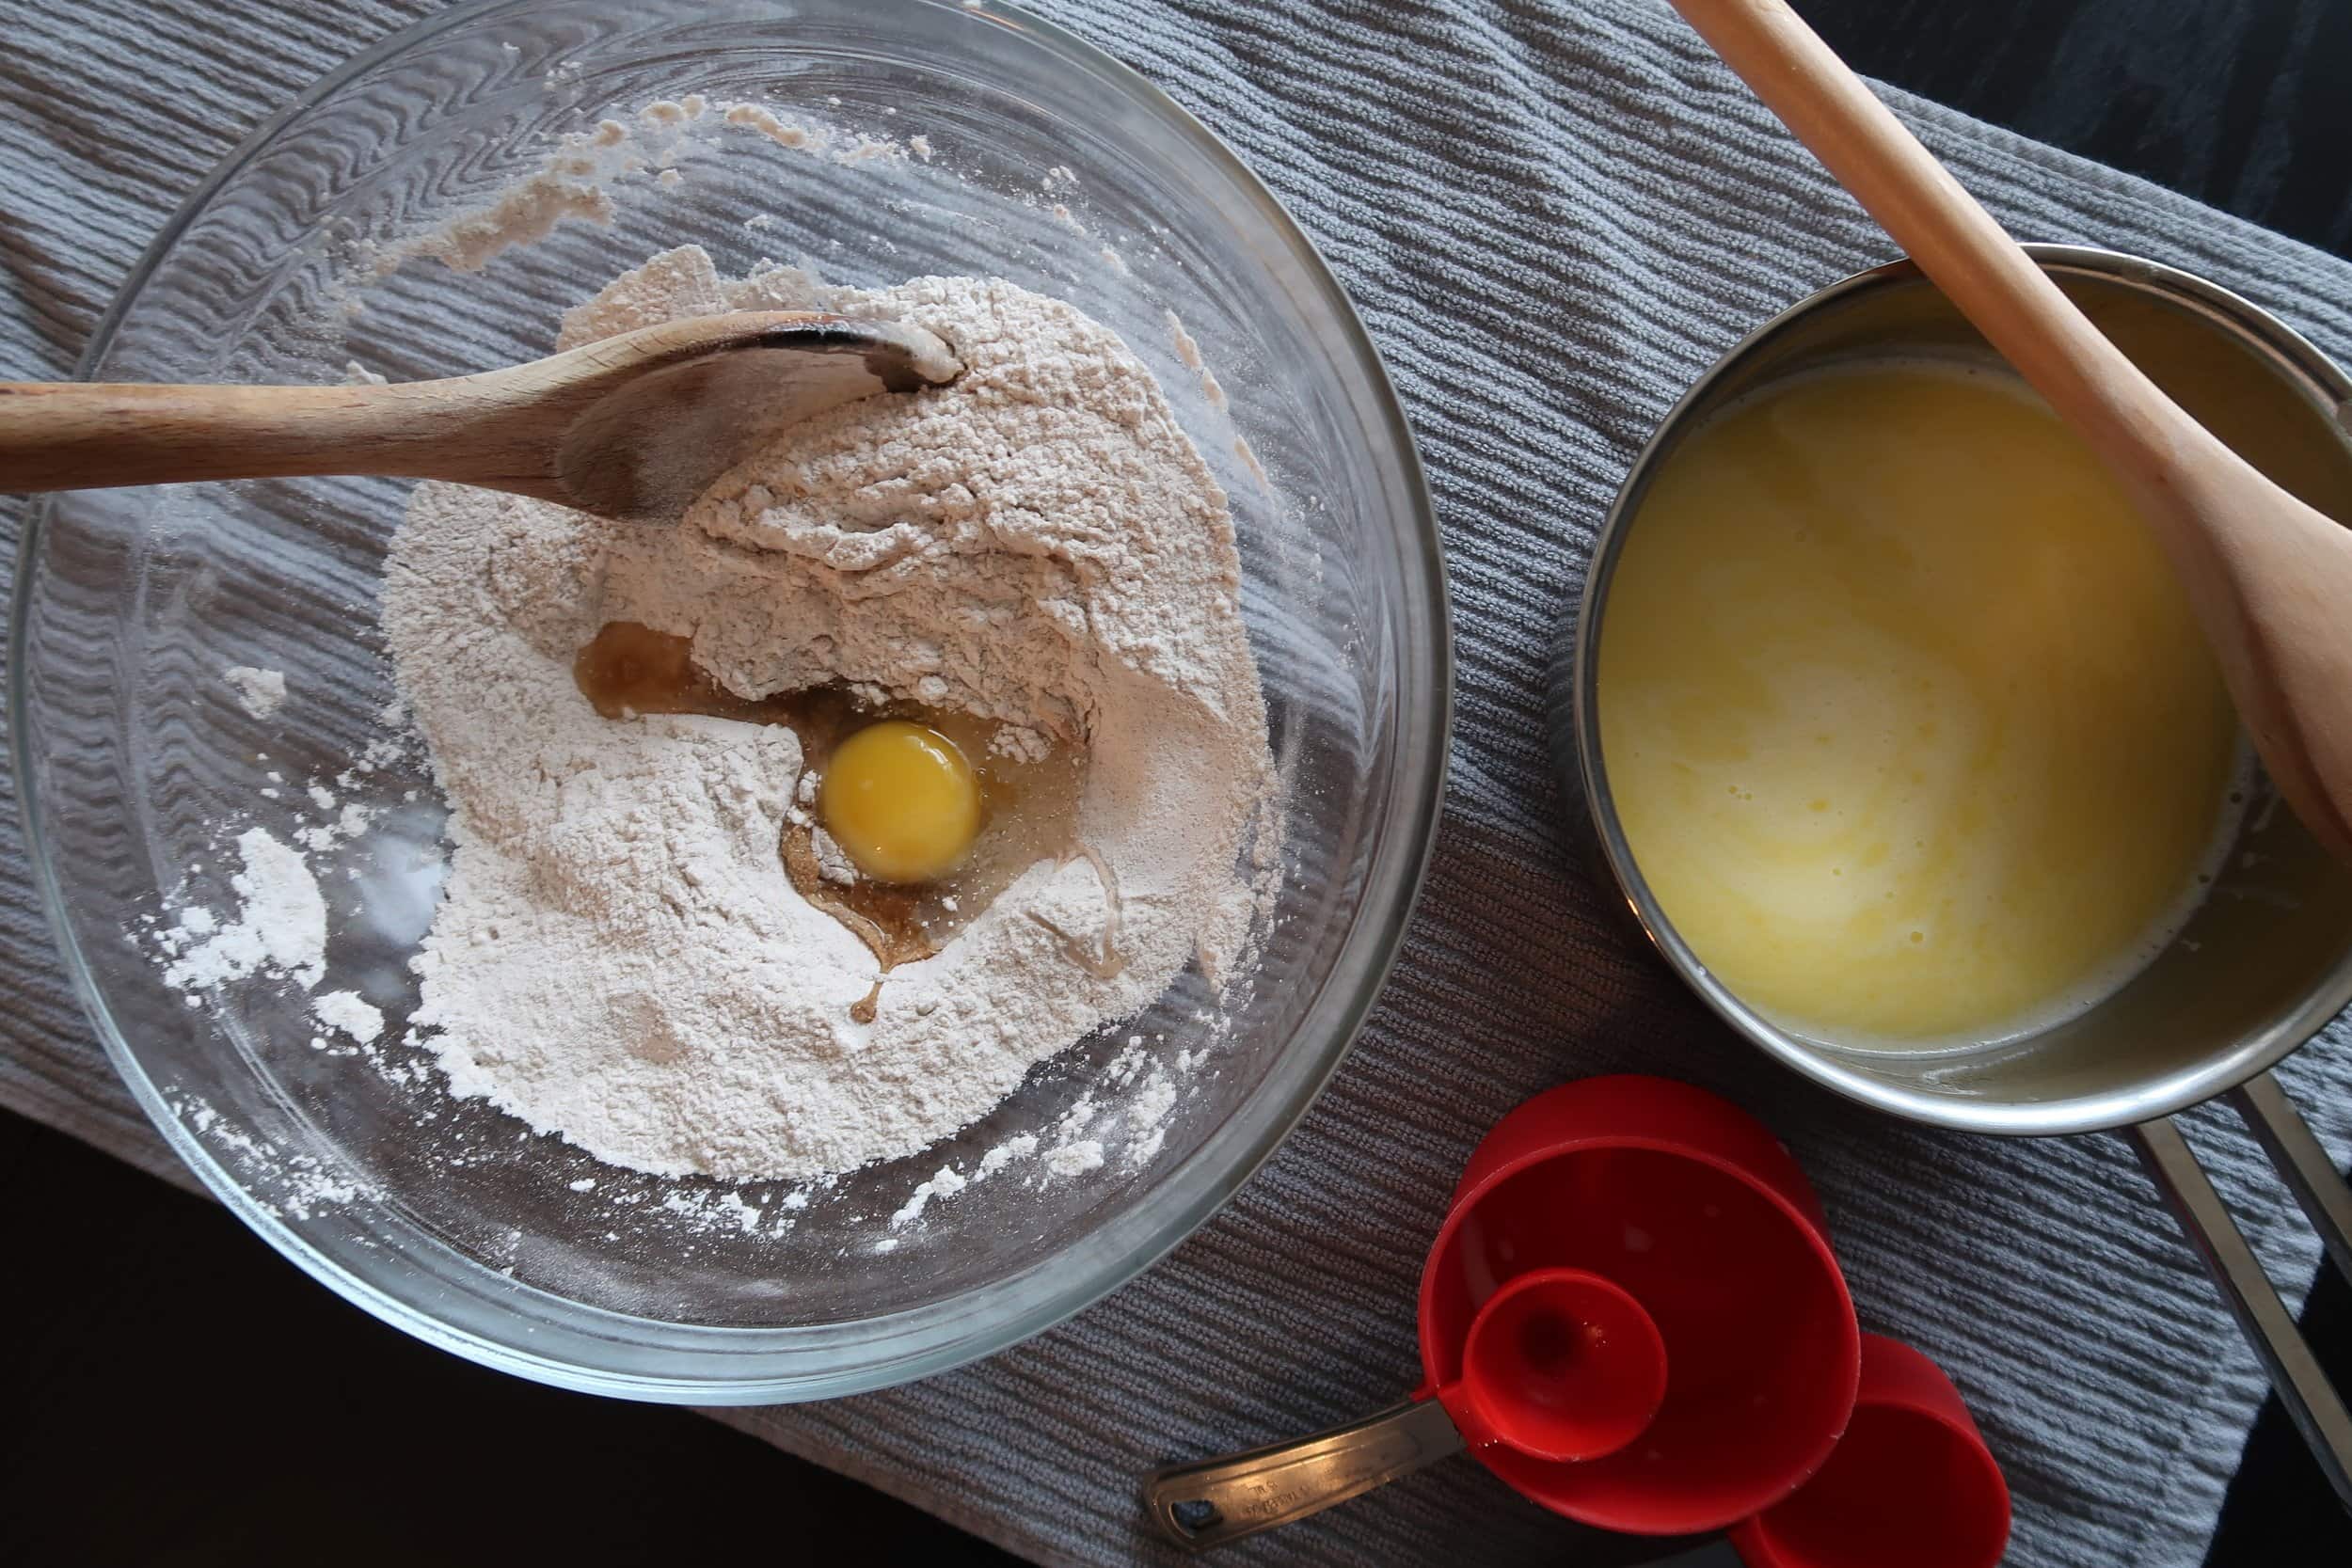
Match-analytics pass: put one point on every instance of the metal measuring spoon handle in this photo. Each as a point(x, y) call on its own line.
point(1206, 1504)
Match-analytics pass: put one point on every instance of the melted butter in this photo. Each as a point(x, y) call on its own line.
point(1908, 722)
point(1029, 809)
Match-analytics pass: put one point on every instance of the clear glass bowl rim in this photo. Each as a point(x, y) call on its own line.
point(1133, 1241)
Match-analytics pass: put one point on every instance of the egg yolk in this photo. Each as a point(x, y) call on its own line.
point(901, 801)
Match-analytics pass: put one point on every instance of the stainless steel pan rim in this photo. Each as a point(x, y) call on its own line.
point(2142, 1107)
point(1577, 740)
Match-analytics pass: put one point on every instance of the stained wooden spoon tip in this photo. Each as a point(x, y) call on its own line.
point(2270, 578)
point(632, 426)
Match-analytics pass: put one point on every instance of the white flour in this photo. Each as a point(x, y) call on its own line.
point(620, 956)
point(279, 927)
point(346, 1012)
point(578, 181)
point(259, 691)
point(288, 1184)
point(1075, 1158)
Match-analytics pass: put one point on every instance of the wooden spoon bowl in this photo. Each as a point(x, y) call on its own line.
point(2269, 578)
point(630, 427)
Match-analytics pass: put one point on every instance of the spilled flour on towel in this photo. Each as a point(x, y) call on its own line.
point(620, 956)
point(260, 693)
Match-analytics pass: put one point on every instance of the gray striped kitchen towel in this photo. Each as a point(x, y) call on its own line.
point(1581, 162)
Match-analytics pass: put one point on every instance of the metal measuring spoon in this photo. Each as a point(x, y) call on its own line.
point(1561, 1365)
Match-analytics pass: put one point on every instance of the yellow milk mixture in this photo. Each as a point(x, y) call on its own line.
point(1907, 720)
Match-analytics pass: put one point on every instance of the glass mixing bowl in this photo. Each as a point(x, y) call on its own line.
point(1039, 160)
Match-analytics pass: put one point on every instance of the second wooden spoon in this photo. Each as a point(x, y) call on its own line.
point(2270, 578)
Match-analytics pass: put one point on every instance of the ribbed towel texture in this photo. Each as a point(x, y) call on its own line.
point(1580, 165)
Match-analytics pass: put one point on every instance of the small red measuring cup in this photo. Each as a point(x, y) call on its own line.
point(1911, 1481)
point(1559, 1364)
point(1689, 1207)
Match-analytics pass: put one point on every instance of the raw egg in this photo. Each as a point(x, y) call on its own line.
point(902, 800)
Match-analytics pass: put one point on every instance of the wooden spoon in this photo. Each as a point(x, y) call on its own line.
point(633, 426)
point(2270, 578)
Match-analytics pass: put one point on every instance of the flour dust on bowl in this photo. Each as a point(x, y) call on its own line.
point(2224, 930)
point(224, 707)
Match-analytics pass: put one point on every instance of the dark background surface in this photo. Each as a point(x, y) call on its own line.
point(179, 1395)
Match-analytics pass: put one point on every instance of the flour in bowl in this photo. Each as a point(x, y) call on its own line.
point(621, 956)
point(280, 926)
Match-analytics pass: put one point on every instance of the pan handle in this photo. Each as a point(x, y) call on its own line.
point(2318, 1412)
point(2276, 1124)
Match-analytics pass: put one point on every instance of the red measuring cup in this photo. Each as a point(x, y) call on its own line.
point(1559, 1364)
point(1910, 1484)
point(1694, 1207)
point(1693, 1211)
point(1911, 1481)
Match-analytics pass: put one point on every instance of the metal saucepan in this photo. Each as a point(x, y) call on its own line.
point(2267, 959)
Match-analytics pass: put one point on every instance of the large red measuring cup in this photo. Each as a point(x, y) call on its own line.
point(1692, 1209)
point(1687, 1203)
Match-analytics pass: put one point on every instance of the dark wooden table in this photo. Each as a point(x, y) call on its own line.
point(180, 1396)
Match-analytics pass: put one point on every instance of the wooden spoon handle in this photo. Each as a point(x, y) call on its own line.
point(2270, 577)
point(71, 435)
point(2115, 407)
